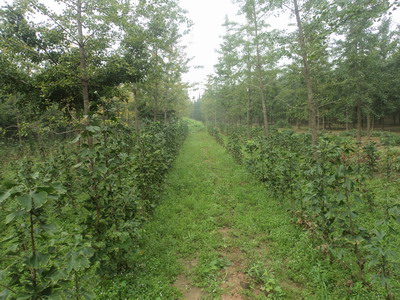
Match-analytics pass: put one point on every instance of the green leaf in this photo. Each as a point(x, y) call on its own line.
point(78, 262)
point(25, 201)
point(93, 129)
point(54, 297)
point(380, 235)
point(341, 197)
point(4, 294)
point(102, 169)
point(394, 211)
point(59, 187)
point(7, 240)
point(39, 199)
point(75, 140)
point(88, 294)
point(47, 189)
point(16, 214)
point(49, 228)
point(24, 297)
point(60, 274)
point(38, 260)
point(88, 252)
point(4, 196)
point(373, 263)
point(77, 165)
point(358, 199)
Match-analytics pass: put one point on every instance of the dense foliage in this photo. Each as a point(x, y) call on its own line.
point(77, 215)
point(90, 95)
point(66, 60)
point(345, 195)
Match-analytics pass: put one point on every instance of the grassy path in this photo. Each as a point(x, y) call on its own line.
point(217, 235)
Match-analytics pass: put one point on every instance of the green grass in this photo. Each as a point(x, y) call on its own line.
point(194, 125)
point(208, 192)
point(213, 209)
point(214, 215)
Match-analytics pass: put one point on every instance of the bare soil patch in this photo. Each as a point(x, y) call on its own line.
point(184, 285)
point(235, 280)
point(188, 291)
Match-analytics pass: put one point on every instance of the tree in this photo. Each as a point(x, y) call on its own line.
point(358, 51)
point(162, 23)
point(254, 11)
point(88, 26)
point(312, 110)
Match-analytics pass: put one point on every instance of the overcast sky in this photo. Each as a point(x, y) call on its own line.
point(205, 37)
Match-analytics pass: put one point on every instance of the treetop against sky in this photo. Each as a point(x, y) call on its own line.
point(206, 34)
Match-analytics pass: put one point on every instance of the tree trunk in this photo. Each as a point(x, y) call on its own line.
point(137, 115)
point(83, 65)
point(359, 122)
point(249, 113)
point(19, 130)
point(155, 109)
point(156, 89)
point(373, 124)
point(312, 109)
point(369, 124)
point(18, 121)
point(260, 72)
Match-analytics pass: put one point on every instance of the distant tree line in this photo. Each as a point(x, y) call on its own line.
point(339, 67)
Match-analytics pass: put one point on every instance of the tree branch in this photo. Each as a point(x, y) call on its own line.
point(8, 288)
point(53, 18)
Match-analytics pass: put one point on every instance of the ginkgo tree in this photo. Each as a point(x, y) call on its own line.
point(335, 64)
point(89, 27)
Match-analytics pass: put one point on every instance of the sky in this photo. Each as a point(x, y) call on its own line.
point(205, 37)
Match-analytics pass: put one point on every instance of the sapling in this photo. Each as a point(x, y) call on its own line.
point(31, 240)
point(234, 147)
point(371, 153)
point(381, 258)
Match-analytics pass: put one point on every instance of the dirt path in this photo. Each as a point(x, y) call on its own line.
point(235, 280)
point(216, 234)
point(234, 264)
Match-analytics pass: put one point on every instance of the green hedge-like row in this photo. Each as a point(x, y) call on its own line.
point(78, 215)
point(331, 191)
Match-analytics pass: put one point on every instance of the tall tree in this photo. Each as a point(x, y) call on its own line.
point(254, 11)
point(163, 22)
point(358, 52)
point(87, 25)
point(312, 108)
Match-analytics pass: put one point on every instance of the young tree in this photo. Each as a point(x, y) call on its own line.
point(254, 11)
